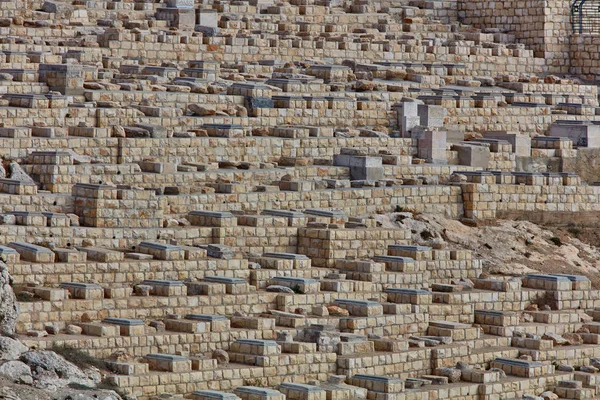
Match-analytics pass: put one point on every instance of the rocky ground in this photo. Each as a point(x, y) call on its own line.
point(10, 390)
point(508, 248)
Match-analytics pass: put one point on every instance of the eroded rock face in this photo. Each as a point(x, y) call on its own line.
point(52, 371)
point(9, 309)
point(17, 173)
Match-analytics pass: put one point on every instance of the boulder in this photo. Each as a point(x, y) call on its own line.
point(458, 178)
point(557, 339)
point(52, 329)
point(73, 330)
point(136, 132)
point(183, 222)
point(221, 356)
point(202, 111)
point(170, 223)
point(11, 349)
point(585, 318)
point(17, 371)
point(573, 339)
point(93, 86)
point(552, 79)
point(337, 311)
point(486, 81)
point(364, 86)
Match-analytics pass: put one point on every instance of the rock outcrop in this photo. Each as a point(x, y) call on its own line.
point(9, 309)
point(18, 174)
point(52, 371)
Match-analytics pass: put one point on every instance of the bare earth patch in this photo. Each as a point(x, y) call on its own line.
point(509, 248)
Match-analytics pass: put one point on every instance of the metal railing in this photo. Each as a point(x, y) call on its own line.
point(585, 16)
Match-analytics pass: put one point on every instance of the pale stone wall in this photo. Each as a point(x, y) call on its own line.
point(487, 200)
point(541, 25)
point(584, 56)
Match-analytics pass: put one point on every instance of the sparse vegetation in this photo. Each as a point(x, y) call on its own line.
point(556, 240)
point(78, 357)
point(24, 294)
